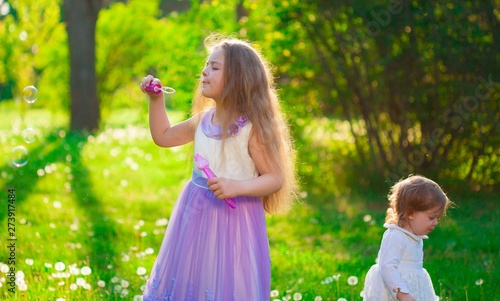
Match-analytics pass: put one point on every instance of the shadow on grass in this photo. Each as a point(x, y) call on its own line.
point(56, 150)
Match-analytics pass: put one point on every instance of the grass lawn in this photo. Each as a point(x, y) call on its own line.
point(91, 211)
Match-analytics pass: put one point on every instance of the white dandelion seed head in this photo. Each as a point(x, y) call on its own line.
point(318, 298)
point(124, 283)
point(141, 271)
point(101, 283)
point(479, 281)
point(353, 280)
point(73, 286)
point(29, 261)
point(297, 296)
point(80, 281)
point(59, 266)
point(275, 293)
point(86, 271)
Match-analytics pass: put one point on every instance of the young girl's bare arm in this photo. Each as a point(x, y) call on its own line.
point(265, 184)
point(163, 133)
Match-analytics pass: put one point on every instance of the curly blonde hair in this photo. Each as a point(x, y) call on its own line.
point(416, 193)
point(249, 89)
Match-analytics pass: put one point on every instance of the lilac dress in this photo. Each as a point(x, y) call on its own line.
point(211, 251)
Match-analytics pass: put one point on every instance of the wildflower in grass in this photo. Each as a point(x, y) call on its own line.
point(101, 283)
point(73, 286)
point(115, 279)
point(161, 222)
point(60, 299)
point(59, 266)
point(124, 283)
point(125, 257)
point(22, 286)
point(336, 277)
point(479, 281)
point(297, 296)
point(117, 288)
point(110, 266)
point(48, 265)
point(4, 268)
point(57, 204)
point(124, 293)
point(137, 298)
point(29, 261)
point(141, 271)
point(353, 280)
point(86, 271)
point(87, 286)
point(149, 251)
point(275, 293)
point(367, 218)
point(74, 270)
point(318, 298)
point(80, 281)
point(342, 299)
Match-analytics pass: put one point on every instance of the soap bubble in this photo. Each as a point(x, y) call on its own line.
point(30, 94)
point(29, 135)
point(19, 156)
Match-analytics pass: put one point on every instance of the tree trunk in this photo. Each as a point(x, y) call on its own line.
point(81, 18)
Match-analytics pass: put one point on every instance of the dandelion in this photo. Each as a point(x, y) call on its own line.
point(149, 251)
point(57, 204)
point(86, 271)
point(59, 266)
point(275, 293)
point(367, 218)
point(80, 281)
point(137, 298)
point(297, 296)
point(115, 279)
point(73, 270)
point(342, 299)
point(125, 257)
point(353, 280)
point(479, 281)
point(29, 261)
point(141, 271)
point(23, 286)
point(73, 286)
point(327, 280)
point(124, 283)
point(87, 286)
point(48, 265)
point(161, 222)
point(318, 298)
point(60, 299)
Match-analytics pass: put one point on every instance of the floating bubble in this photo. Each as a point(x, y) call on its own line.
point(30, 94)
point(29, 135)
point(19, 156)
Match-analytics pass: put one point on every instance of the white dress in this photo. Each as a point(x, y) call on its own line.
point(400, 265)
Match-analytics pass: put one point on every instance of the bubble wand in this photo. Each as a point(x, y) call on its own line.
point(202, 164)
point(157, 88)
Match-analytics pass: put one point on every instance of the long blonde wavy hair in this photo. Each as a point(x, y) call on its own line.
point(249, 89)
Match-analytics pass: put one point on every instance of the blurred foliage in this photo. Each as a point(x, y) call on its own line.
point(415, 84)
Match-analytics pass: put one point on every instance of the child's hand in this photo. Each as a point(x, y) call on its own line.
point(222, 188)
point(146, 81)
point(405, 297)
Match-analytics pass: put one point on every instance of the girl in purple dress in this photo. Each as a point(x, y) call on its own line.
point(210, 250)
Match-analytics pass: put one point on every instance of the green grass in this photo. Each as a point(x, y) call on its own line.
point(102, 201)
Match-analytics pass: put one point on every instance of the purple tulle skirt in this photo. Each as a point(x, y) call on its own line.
point(211, 251)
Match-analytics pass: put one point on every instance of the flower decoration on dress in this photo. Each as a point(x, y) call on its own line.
point(214, 131)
